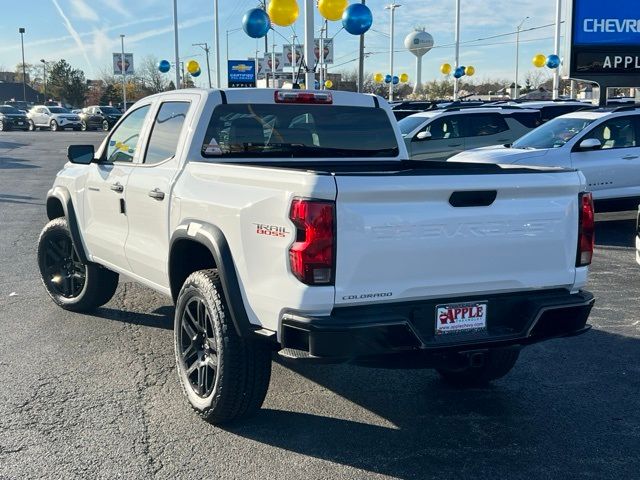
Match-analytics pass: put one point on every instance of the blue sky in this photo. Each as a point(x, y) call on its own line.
point(86, 32)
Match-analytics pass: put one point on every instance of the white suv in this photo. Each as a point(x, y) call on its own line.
point(53, 118)
point(604, 144)
point(440, 134)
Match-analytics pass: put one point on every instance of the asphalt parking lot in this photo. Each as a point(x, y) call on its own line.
point(98, 397)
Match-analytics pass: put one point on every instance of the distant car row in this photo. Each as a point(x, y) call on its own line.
point(58, 118)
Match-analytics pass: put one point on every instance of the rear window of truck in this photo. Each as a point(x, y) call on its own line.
point(299, 131)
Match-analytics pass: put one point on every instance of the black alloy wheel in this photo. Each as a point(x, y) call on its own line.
point(198, 347)
point(64, 273)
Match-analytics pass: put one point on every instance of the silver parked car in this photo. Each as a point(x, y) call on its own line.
point(440, 134)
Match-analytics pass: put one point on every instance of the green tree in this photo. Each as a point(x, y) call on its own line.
point(111, 95)
point(67, 83)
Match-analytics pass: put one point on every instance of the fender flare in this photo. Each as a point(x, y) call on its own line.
point(214, 240)
point(64, 197)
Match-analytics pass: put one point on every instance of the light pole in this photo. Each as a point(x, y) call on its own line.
point(21, 30)
point(175, 41)
point(44, 76)
point(457, 55)
point(124, 76)
point(217, 41)
point(556, 49)
point(205, 47)
point(392, 7)
point(309, 76)
point(361, 60)
point(516, 88)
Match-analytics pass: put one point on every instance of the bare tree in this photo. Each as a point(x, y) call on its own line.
point(152, 79)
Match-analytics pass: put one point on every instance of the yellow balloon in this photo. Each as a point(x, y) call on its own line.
point(328, 84)
point(378, 78)
point(332, 9)
point(539, 60)
point(192, 66)
point(283, 12)
point(445, 69)
point(404, 78)
point(469, 71)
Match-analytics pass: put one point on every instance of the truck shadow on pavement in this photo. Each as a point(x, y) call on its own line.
point(556, 412)
point(24, 199)
point(11, 163)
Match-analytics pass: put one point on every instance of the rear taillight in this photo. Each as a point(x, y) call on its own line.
point(586, 230)
point(312, 256)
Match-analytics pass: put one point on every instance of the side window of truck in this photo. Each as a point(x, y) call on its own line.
point(166, 131)
point(124, 139)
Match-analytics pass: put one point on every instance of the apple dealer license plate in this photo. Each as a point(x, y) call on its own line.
point(461, 317)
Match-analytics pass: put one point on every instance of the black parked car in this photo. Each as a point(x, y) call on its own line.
point(99, 117)
point(12, 119)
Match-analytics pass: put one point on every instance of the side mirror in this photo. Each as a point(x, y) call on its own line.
point(81, 154)
point(589, 144)
point(423, 136)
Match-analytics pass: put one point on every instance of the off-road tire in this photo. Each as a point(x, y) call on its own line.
point(99, 283)
point(497, 363)
point(243, 364)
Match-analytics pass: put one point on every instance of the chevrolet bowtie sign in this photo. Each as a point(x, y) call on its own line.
point(604, 42)
point(241, 73)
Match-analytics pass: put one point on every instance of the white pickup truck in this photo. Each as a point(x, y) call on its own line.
point(292, 221)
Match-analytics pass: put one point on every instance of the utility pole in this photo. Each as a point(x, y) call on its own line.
point(175, 35)
point(44, 76)
point(361, 60)
point(205, 47)
point(457, 55)
point(217, 40)
point(273, 58)
point(516, 89)
point(309, 45)
point(556, 50)
point(124, 76)
point(391, 7)
point(21, 30)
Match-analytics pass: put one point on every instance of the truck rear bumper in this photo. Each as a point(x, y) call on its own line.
point(408, 328)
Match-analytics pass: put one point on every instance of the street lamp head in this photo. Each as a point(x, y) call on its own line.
point(21, 30)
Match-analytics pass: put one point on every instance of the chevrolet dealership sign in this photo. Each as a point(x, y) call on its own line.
point(604, 42)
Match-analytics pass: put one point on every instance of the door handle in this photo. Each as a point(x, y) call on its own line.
point(157, 194)
point(630, 157)
point(454, 145)
point(117, 187)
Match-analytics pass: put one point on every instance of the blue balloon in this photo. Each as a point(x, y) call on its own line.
point(196, 73)
point(553, 61)
point(388, 78)
point(164, 66)
point(256, 23)
point(395, 80)
point(459, 72)
point(357, 19)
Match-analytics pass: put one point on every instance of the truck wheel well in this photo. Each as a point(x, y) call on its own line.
point(187, 256)
point(54, 208)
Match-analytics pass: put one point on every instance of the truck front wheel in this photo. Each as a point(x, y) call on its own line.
point(72, 284)
point(224, 376)
point(496, 364)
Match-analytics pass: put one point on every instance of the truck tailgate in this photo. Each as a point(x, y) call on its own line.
point(399, 237)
